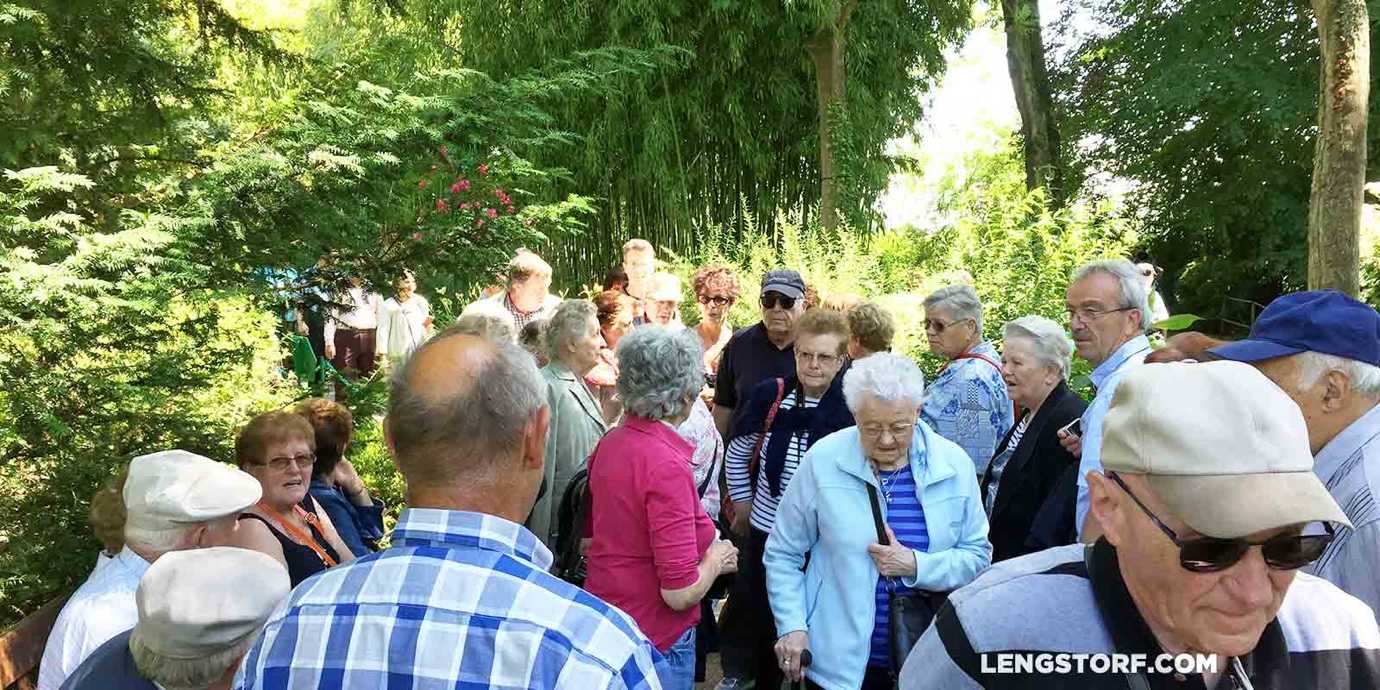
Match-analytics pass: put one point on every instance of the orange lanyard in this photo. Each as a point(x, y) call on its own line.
point(303, 538)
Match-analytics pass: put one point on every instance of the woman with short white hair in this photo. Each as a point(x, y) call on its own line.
point(1029, 464)
point(577, 420)
point(830, 580)
point(968, 402)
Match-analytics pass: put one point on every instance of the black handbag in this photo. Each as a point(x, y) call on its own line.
point(911, 612)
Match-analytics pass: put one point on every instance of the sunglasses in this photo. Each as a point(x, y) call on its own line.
point(718, 301)
point(1210, 554)
point(937, 327)
point(772, 300)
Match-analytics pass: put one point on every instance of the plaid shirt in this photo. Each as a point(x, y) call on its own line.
point(968, 404)
point(460, 600)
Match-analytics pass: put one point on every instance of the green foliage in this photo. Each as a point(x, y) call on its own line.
point(1210, 108)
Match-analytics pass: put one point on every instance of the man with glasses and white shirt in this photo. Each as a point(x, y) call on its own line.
point(1208, 507)
point(1108, 317)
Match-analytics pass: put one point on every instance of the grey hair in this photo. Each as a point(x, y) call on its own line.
point(569, 323)
point(1364, 378)
point(1128, 278)
point(185, 674)
point(1048, 340)
point(463, 434)
point(487, 326)
point(886, 376)
point(658, 369)
point(171, 536)
point(637, 244)
point(960, 300)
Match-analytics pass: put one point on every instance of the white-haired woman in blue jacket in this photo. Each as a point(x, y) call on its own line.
point(928, 494)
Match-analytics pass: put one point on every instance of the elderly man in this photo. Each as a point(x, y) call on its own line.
point(1323, 349)
point(1108, 317)
point(1208, 507)
point(762, 351)
point(528, 295)
point(174, 500)
point(462, 597)
point(639, 263)
point(198, 613)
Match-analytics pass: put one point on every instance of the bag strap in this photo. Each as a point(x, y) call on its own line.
point(704, 484)
point(877, 514)
point(766, 429)
point(1135, 681)
point(1015, 408)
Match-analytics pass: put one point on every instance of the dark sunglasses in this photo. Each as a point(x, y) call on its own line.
point(771, 300)
point(718, 301)
point(1210, 554)
point(938, 326)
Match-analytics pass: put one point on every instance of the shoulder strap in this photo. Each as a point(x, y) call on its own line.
point(985, 358)
point(877, 514)
point(704, 483)
point(766, 429)
point(1134, 681)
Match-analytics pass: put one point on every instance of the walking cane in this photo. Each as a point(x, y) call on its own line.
point(805, 659)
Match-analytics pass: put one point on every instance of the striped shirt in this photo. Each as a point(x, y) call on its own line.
point(906, 517)
point(460, 600)
point(1349, 465)
point(1072, 600)
point(999, 462)
point(739, 480)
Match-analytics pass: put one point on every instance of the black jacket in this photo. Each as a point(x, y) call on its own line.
point(1032, 475)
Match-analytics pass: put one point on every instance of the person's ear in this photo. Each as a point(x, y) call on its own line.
point(1106, 507)
point(534, 440)
point(1335, 388)
point(196, 539)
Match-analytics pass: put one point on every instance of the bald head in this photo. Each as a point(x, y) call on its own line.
point(459, 408)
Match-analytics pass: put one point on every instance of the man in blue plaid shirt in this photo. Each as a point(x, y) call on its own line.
point(462, 598)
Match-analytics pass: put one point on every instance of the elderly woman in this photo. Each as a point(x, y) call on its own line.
point(654, 553)
point(870, 330)
point(279, 450)
point(404, 321)
point(716, 291)
point(968, 402)
point(577, 422)
point(615, 313)
point(828, 577)
point(783, 418)
point(1029, 462)
point(663, 301)
point(335, 485)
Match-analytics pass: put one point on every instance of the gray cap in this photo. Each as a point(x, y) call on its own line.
point(200, 602)
point(174, 487)
point(784, 281)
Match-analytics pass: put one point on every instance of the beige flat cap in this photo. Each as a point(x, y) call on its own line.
point(174, 487)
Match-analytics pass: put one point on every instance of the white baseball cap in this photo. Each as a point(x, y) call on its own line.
point(175, 487)
point(1221, 444)
point(200, 602)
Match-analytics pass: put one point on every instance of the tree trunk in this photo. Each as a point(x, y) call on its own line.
point(1339, 161)
point(827, 50)
point(1025, 61)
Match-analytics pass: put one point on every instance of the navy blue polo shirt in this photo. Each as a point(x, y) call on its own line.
point(748, 359)
point(110, 667)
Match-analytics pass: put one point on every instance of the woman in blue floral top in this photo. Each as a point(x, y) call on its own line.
point(967, 403)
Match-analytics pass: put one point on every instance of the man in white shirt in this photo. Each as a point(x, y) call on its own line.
point(639, 262)
point(528, 296)
point(174, 500)
point(351, 334)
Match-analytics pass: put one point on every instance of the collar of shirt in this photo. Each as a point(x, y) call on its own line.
point(460, 528)
point(1346, 445)
point(759, 332)
point(1128, 349)
point(1132, 635)
point(660, 431)
point(132, 562)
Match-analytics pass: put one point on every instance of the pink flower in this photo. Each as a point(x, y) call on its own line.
point(478, 222)
point(510, 208)
point(484, 169)
point(464, 206)
point(498, 192)
point(416, 237)
point(463, 184)
point(442, 206)
point(421, 184)
point(455, 188)
point(491, 212)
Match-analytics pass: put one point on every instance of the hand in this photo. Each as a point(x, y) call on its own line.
point(1073, 443)
point(330, 350)
point(788, 653)
point(723, 552)
point(707, 395)
point(742, 518)
point(894, 559)
point(347, 479)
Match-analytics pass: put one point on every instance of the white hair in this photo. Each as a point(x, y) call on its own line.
point(1128, 278)
point(658, 369)
point(169, 537)
point(885, 376)
point(1364, 378)
point(959, 300)
point(490, 327)
point(569, 323)
point(185, 674)
point(1047, 339)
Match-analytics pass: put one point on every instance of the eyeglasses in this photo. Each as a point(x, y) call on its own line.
point(720, 301)
point(772, 300)
point(896, 430)
point(937, 327)
point(822, 359)
point(1210, 554)
point(1090, 314)
point(280, 464)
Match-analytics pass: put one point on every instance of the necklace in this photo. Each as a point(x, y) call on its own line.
point(888, 483)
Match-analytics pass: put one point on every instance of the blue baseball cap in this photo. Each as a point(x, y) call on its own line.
point(1324, 321)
